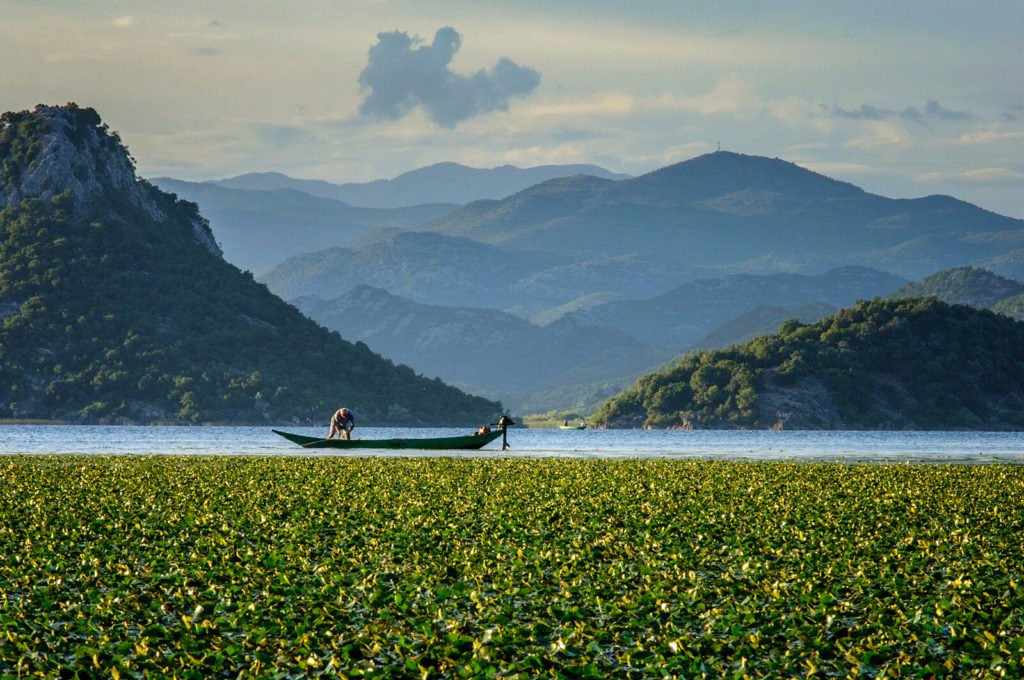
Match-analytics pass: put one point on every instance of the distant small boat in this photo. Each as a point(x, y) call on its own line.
point(581, 426)
point(469, 441)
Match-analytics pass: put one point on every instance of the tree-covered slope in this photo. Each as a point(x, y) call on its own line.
point(116, 306)
point(914, 363)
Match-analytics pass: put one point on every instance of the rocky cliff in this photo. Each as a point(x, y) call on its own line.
point(57, 150)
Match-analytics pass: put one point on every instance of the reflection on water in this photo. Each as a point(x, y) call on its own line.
point(905, 447)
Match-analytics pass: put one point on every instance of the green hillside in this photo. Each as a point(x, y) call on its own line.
point(116, 306)
point(914, 363)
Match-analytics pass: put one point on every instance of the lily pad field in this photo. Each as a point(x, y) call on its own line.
point(154, 566)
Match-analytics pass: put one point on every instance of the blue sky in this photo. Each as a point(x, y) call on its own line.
point(904, 98)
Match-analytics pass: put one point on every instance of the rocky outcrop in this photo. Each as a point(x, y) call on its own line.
point(72, 151)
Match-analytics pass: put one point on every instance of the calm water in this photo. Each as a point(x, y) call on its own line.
point(937, 447)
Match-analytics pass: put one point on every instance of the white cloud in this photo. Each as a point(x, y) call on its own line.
point(833, 168)
point(600, 104)
point(730, 95)
point(988, 136)
point(975, 176)
point(878, 135)
point(669, 156)
point(800, 148)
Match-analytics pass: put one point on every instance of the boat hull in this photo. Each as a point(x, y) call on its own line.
point(470, 441)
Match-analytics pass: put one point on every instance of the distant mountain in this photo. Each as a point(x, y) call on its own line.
point(444, 270)
point(680, 318)
point(964, 286)
point(762, 320)
point(914, 363)
point(483, 351)
point(258, 229)
point(725, 209)
point(438, 183)
point(576, 355)
point(117, 306)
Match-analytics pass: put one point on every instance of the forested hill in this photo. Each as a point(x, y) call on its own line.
point(914, 363)
point(971, 286)
point(116, 306)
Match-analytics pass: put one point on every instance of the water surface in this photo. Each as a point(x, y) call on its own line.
point(873, 446)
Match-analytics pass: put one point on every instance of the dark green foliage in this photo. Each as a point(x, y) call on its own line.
point(119, 316)
point(292, 567)
point(19, 144)
point(959, 367)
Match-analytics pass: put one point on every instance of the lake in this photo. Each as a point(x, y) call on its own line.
point(805, 445)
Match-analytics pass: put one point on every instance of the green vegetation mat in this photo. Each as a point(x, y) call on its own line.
point(224, 566)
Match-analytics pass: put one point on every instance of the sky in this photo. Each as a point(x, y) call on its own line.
point(904, 98)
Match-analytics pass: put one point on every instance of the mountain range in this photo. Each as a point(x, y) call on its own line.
point(261, 219)
point(740, 213)
point(436, 269)
point(483, 351)
point(574, 361)
point(257, 229)
point(571, 243)
point(712, 250)
point(438, 183)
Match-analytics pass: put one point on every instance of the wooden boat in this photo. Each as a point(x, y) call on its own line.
point(469, 441)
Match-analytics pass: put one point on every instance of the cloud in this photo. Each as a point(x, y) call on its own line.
point(834, 168)
point(402, 73)
point(988, 136)
point(879, 135)
point(125, 21)
point(865, 112)
point(976, 176)
point(932, 110)
point(936, 110)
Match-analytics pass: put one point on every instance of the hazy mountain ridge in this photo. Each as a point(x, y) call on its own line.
point(679, 318)
point(725, 208)
point(762, 320)
point(437, 269)
point(119, 308)
point(437, 183)
point(260, 228)
point(484, 351)
point(607, 344)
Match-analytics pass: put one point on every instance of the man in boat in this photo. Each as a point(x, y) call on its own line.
point(342, 423)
